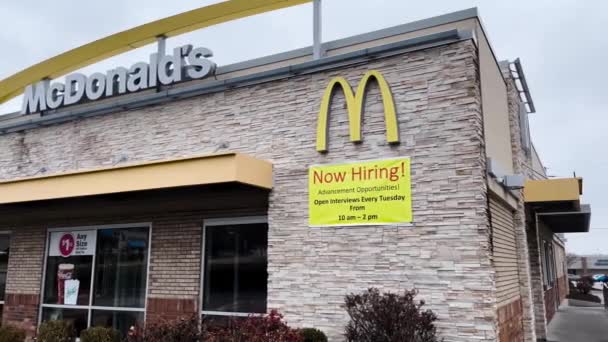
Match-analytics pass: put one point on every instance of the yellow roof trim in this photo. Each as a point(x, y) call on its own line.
point(137, 37)
point(211, 169)
point(553, 190)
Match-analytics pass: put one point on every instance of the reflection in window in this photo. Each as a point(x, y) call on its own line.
point(77, 317)
point(114, 268)
point(236, 268)
point(59, 269)
point(120, 270)
point(4, 251)
point(119, 320)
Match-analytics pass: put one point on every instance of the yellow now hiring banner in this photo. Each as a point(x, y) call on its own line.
point(362, 193)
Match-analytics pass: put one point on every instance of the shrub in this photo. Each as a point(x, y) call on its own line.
point(313, 335)
point(180, 330)
point(100, 334)
point(56, 331)
point(585, 284)
point(267, 328)
point(135, 334)
point(388, 317)
point(9, 333)
point(585, 297)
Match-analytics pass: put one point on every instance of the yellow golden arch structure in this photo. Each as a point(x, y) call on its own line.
point(137, 37)
point(354, 107)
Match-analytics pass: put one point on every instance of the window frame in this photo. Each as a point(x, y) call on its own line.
point(552, 265)
point(548, 265)
point(90, 307)
point(10, 236)
point(544, 269)
point(225, 221)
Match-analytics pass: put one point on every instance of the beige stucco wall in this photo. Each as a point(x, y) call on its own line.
point(495, 108)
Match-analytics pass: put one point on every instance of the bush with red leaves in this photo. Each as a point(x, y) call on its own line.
point(267, 328)
point(180, 330)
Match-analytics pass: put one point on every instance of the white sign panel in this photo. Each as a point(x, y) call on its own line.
point(66, 244)
point(71, 288)
point(186, 63)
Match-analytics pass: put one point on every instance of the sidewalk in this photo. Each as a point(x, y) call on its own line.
point(573, 324)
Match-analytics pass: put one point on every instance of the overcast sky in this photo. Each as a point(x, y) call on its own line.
point(561, 44)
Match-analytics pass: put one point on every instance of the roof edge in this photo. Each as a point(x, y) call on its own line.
point(14, 123)
point(343, 42)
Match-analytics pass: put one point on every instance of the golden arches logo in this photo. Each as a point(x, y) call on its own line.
point(354, 107)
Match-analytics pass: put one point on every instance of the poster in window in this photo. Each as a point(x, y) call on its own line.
point(66, 252)
point(67, 244)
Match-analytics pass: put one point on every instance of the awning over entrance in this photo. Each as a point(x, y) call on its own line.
point(568, 222)
point(557, 203)
point(204, 170)
point(553, 190)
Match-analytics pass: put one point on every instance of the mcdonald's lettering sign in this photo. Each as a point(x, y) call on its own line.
point(354, 107)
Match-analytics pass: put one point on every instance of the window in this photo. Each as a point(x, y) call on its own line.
point(235, 266)
point(4, 251)
point(96, 276)
point(544, 264)
point(548, 264)
point(551, 261)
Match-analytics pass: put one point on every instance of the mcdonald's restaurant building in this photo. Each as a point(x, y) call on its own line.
point(400, 159)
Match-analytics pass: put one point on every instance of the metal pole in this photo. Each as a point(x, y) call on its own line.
point(161, 42)
point(162, 45)
point(317, 29)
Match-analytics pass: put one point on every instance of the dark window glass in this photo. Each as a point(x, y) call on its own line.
point(120, 272)
point(236, 268)
point(4, 249)
point(119, 320)
point(78, 317)
point(81, 266)
point(121, 266)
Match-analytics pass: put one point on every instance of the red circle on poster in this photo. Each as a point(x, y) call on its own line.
point(67, 245)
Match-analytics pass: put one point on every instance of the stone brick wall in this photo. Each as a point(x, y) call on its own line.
point(21, 310)
point(27, 248)
point(176, 257)
point(562, 285)
point(510, 322)
point(162, 309)
point(175, 267)
point(537, 283)
point(444, 254)
point(24, 276)
point(554, 297)
point(550, 303)
point(526, 245)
